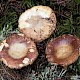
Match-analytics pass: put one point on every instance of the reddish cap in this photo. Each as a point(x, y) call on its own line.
point(63, 50)
point(17, 51)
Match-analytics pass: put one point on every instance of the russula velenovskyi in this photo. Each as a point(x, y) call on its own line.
point(37, 23)
point(18, 51)
point(63, 50)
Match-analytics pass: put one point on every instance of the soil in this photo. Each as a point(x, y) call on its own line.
point(41, 62)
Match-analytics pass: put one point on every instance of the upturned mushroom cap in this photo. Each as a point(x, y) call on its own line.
point(63, 50)
point(18, 51)
point(38, 23)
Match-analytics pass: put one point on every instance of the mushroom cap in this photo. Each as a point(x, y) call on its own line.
point(18, 51)
point(63, 50)
point(37, 23)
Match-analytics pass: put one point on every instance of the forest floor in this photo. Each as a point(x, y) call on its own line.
point(68, 22)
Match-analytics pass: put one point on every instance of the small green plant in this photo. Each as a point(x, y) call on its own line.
point(50, 72)
point(7, 24)
point(65, 28)
point(77, 1)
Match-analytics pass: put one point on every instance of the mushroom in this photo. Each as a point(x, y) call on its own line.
point(18, 51)
point(37, 23)
point(63, 50)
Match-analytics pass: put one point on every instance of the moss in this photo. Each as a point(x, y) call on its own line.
point(68, 21)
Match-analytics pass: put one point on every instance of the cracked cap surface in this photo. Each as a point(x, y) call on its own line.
point(37, 23)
